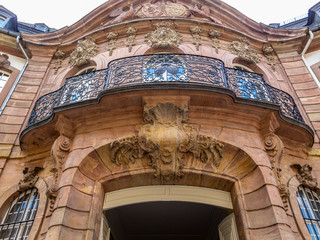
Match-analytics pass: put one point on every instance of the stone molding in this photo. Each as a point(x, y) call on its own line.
point(166, 141)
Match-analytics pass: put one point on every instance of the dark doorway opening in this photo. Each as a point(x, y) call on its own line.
point(165, 220)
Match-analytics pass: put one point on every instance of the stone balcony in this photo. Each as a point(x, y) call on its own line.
point(164, 71)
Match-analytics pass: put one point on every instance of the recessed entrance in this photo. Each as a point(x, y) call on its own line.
point(165, 220)
point(168, 212)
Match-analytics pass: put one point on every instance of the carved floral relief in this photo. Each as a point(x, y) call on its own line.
point(166, 141)
point(270, 55)
point(59, 56)
point(84, 52)
point(131, 36)
point(243, 49)
point(214, 35)
point(195, 32)
point(164, 36)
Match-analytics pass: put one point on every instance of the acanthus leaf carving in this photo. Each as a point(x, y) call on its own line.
point(29, 179)
point(166, 141)
point(305, 177)
point(84, 52)
point(243, 49)
point(164, 36)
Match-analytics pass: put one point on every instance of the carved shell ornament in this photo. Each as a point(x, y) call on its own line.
point(164, 36)
point(166, 141)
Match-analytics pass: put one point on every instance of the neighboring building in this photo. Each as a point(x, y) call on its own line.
point(160, 120)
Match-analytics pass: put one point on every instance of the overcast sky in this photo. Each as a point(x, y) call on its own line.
point(60, 13)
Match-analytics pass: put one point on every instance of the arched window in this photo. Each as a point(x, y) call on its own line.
point(86, 70)
point(20, 215)
point(309, 202)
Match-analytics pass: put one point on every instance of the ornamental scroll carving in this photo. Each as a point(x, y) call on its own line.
point(166, 141)
point(243, 49)
point(275, 148)
point(164, 36)
point(29, 179)
point(83, 53)
point(59, 153)
point(305, 177)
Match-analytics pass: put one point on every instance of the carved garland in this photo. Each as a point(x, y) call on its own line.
point(112, 39)
point(270, 55)
point(195, 32)
point(167, 141)
point(59, 56)
point(131, 36)
point(214, 35)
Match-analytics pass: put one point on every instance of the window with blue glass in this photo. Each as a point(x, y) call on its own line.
point(20, 215)
point(2, 20)
point(165, 68)
point(309, 202)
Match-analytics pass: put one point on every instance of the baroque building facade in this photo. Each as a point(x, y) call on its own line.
point(160, 120)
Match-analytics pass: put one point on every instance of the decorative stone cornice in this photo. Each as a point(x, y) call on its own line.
point(29, 179)
point(164, 36)
point(4, 62)
point(243, 49)
point(304, 176)
point(83, 53)
point(166, 142)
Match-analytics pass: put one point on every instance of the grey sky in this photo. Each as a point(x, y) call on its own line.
point(60, 13)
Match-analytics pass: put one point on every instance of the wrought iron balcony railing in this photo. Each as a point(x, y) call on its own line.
point(163, 69)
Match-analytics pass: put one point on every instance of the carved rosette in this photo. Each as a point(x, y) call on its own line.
point(305, 177)
point(4, 62)
point(83, 53)
point(131, 36)
point(112, 39)
point(59, 56)
point(166, 141)
point(270, 56)
point(164, 36)
point(195, 32)
point(29, 179)
point(243, 49)
point(214, 35)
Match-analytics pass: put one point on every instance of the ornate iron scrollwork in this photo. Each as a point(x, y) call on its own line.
point(160, 68)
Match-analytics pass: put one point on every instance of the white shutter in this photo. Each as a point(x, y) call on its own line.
point(228, 229)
